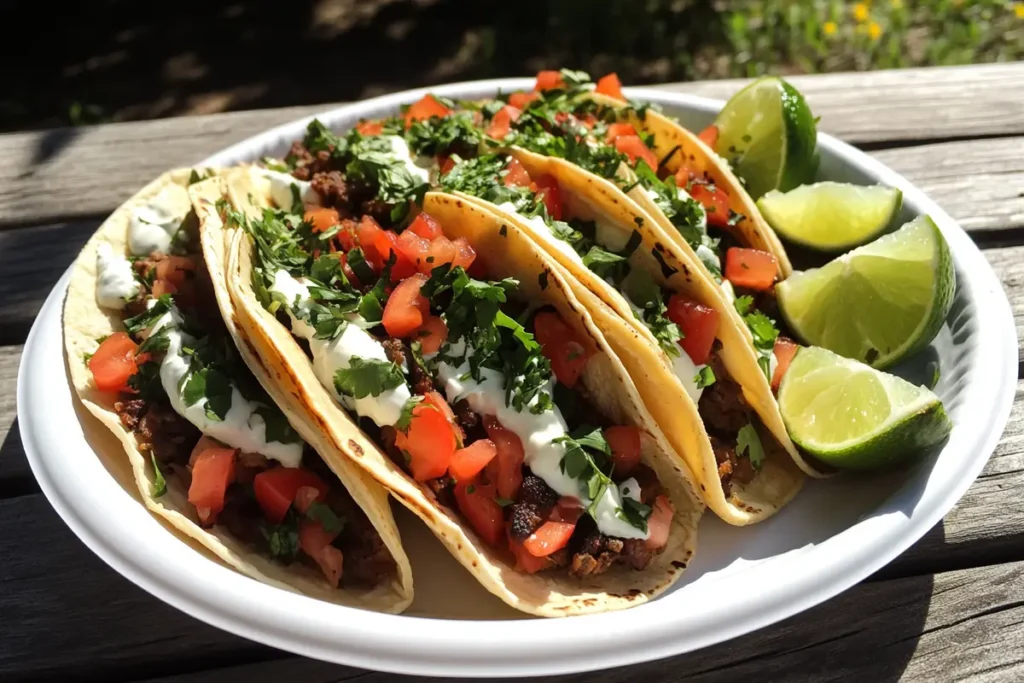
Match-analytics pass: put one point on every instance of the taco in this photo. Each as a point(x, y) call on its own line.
point(152, 357)
point(468, 380)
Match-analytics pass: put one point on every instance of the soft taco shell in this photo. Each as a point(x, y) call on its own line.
point(84, 321)
point(549, 594)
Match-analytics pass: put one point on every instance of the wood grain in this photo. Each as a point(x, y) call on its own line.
point(1008, 263)
point(69, 173)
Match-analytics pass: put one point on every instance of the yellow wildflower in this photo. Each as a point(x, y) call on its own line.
point(860, 11)
point(1018, 9)
point(874, 30)
point(829, 28)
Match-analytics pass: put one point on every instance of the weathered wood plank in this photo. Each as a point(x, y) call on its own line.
point(65, 173)
point(1008, 262)
point(13, 465)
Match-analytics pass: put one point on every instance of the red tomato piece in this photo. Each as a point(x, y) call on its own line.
point(464, 253)
point(709, 136)
point(426, 226)
point(442, 251)
point(370, 128)
point(510, 457)
point(469, 461)
point(625, 442)
point(548, 80)
point(521, 100)
point(634, 148)
point(685, 175)
point(433, 398)
point(432, 334)
point(445, 164)
point(403, 312)
point(430, 442)
point(501, 124)
point(515, 174)
point(213, 470)
point(316, 541)
point(715, 202)
point(785, 350)
point(618, 130)
point(114, 362)
point(659, 523)
point(550, 537)
point(611, 86)
point(367, 234)
point(322, 218)
point(750, 268)
point(174, 269)
point(414, 248)
point(476, 503)
point(426, 108)
point(699, 325)
point(551, 195)
point(276, 489)
point(346, 237)
point(386, 245)
point(161, 287)
point(567, 353)
point(526, 561)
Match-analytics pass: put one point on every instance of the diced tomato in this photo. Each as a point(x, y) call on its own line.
point(213, 470)
point(510, 457)
point(426, 226)
point(316, 541)
point(305, 497)
point(659, 523)
point(403, 312)
point(414, 248)
point(442, 251)
point(568, 354)
point(433, 398)
point(346, 237)
point(548, 80)
point(685, 175)
point(276, 489)
point(785, 351)
point(516, 175)
point(567, 509)
point(161, 287)
point(445, 164)
point(464, 253)
point(476, 503)
point(370, 128)
point(551, 195)
point(426, 108)
point(404, 266)
point(550, 537)
point(750, 268)
point(521, 100)
point(431, 334)
point(525, 560)
point(502, 121)
point(699, 325)
point(634, 148)
point(469, 461)
point(709, 136)
point(430, 442)
point(715, 202)
point(611, 86)
point(618, 130)
point(367, 234)
point(624, 440)
point(114, 362)
point(174, 269)
point(322, 218)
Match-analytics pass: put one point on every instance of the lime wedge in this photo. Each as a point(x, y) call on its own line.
point(854, 417)
point(831, 216)
point(766, 131)
point(879, 303)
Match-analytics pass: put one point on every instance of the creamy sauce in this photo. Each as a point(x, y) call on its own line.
point(610, 236)
point(332, 355)
point(708, 257)
point(115, 281)
point(153, 225)
point(418, 167)
point(537, 432)
point(543, 231)
point(242, 427)
point(281, 189)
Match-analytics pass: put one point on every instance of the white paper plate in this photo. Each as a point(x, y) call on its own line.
point(833, 535)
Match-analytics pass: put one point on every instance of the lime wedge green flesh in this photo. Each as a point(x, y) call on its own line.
point(879, 303)
point(851, 416)
point(831, 216)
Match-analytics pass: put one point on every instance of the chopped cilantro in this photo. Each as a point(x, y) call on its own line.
point(705, 377)
point(749, 443)
point(405, 418)
point(586, 466)
point(146, 319)
point(277, 426)
point(328, 518)
point(282, 539)
point(159, 486)
point(634, 513)
point(368, 377)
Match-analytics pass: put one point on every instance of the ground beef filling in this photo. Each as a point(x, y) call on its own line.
point(326, 176)
point(724, 412)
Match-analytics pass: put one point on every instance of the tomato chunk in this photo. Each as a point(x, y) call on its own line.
point(521, 100)
point(464, 254)
point(445, 164)
point(433, 398)
point(403, 313)
point(510, 457)
point(550, 537)
point(175, 269)
point(370, 128)
point(426, 226)
point(785, 350)
point(469, 461)
point(551, 195)
point(213, 470)
point(611, 86)
point(567, 353)
point(515, 174)
point(625, 442)
point(432, 334)
point(367, 234)
point(699, 325)
point(442, 250)
point(660, 522)
point(114, 362)
point(525, 560)
point(476, 503)
point(750, 268)
point(316, 541)
point(430, 442)
point(414, 248)
point(548, 80)
point(321, 218)
point(709, 136)
point(276, 488)
point(501, 124)
point(618, 130)
point(426, 108)
point(634, 148)
point(715, 202)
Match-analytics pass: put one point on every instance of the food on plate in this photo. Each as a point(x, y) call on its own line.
point(448, 356)
point(151, 346)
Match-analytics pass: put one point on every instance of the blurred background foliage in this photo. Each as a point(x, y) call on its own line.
point(116, 60)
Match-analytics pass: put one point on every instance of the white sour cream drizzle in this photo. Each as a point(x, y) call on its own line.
point(542, 229)
point(242, 427)
point(152, 226)
point(281, 189)
point(332, 355)
point(419, 167)
point(537, 433)
point(115, 282)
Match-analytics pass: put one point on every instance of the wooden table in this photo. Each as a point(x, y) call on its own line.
point(951, 607)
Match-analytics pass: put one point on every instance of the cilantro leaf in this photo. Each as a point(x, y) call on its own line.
point(748, 443)
point(405, 417)
point(146, 319)
point(159, 486)
point(282, 539)
point(146, 382)
point(277, 426)
point(328, 518)
point(743, 304)
point(156, 342)
point(705, 377)
point(367, 377)
point(634, 513)
point(606, 264)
